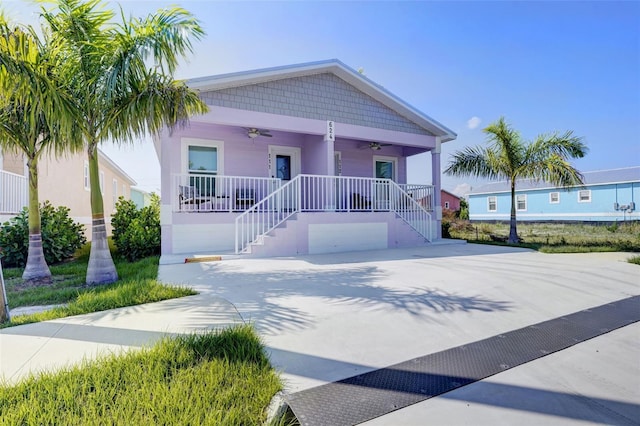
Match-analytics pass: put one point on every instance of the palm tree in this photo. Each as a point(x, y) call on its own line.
point(118, 95)
point(509, 157)
point(35, 117)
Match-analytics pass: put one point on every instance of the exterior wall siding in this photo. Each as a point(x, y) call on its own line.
point(539, 208)
point(319, 97)
point(249, 157)
point(454, 202)
point(61, 181)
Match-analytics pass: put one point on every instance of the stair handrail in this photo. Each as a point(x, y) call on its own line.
point(267, 214)
point(411, 212)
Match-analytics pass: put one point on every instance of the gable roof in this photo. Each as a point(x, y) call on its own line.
point(114, 167)
point(598, 177)
point(335, 67)
point(450, 193)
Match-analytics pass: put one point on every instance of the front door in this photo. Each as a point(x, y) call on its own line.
point(384, 168)
point(284, 164)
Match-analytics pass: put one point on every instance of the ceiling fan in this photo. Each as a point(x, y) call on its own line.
point(375, 146)
point(253, 133)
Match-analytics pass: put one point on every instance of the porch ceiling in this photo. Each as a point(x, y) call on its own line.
point(234, 118)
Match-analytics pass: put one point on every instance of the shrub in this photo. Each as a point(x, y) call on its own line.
point(463, 213)
point(61, 236)
point(136, 232)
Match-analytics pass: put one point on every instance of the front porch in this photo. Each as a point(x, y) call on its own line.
point(307, 214)
point(205, 193)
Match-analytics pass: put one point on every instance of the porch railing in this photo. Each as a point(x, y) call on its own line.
point(423, 194)
point(14, 192)
point(309, 193)
point(211, 193)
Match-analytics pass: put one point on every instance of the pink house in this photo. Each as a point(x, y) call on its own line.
point(449, 201)
point(299, 159)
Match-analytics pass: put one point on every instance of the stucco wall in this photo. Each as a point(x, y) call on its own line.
point(61, 181)
point(12, 162)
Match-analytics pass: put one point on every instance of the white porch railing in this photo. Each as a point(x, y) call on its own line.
point(423, 194)
point(309, 193)
point(14, 192)
point(211, 193)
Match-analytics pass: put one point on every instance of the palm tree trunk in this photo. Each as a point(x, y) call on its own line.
point(513, 232)
point(4, 303)
point(36, 269)
point(101, 269)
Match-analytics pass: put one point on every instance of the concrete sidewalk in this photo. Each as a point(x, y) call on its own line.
point(328, 317)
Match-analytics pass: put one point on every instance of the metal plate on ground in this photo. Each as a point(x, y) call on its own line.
point(367, 396)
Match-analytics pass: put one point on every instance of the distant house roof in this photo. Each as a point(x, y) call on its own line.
point(104, 157)
point(450, 193)
point(599, 177)
point(334, 66)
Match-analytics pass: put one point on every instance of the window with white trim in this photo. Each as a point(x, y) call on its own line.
point(554, 198)
point(203, 160)
point(115, 192)
point(87, 184)
point(521, 202)
point(492, 204)
point(584, 196)
point(446, 205)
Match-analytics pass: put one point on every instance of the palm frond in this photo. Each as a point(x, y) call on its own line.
point(474, 161)
point(152, 103)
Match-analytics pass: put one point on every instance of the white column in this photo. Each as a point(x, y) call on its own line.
point(329, 138)
point(436, 181)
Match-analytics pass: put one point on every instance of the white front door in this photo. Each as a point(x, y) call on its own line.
point(284, 164)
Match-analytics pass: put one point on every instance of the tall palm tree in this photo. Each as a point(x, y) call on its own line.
point(121, 97)
point(510, 158)
point(35, 117)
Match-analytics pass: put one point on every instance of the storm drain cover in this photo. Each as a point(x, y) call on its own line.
point(367, 396)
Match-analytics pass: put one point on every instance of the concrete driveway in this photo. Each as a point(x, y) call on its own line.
point(328, 317)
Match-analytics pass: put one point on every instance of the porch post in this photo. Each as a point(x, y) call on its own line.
point(330, 190)
point(436, 179)
point(166, 192)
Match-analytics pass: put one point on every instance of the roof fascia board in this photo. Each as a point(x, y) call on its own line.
point(115, 167)
point(567, 188)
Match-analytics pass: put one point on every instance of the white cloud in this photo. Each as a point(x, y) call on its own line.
point(473, 122)
point(462, 190)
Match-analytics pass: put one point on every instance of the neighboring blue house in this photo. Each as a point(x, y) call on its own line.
point(140, 198)
point(608, 196)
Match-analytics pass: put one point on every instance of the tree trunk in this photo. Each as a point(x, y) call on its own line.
point(36, 269)
point(4, 303)
point(513, 232)
point(101, 269)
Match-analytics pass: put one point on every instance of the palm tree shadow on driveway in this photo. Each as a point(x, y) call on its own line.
point(278, 300)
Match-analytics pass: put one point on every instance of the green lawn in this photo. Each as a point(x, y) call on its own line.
point(556, 238)
point(137, 284)
point(217, 378)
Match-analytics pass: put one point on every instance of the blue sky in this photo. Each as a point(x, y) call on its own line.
point(545, 66)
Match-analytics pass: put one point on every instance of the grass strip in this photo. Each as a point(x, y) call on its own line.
point(137, 285)
point(634, 259)
point(213, 378)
